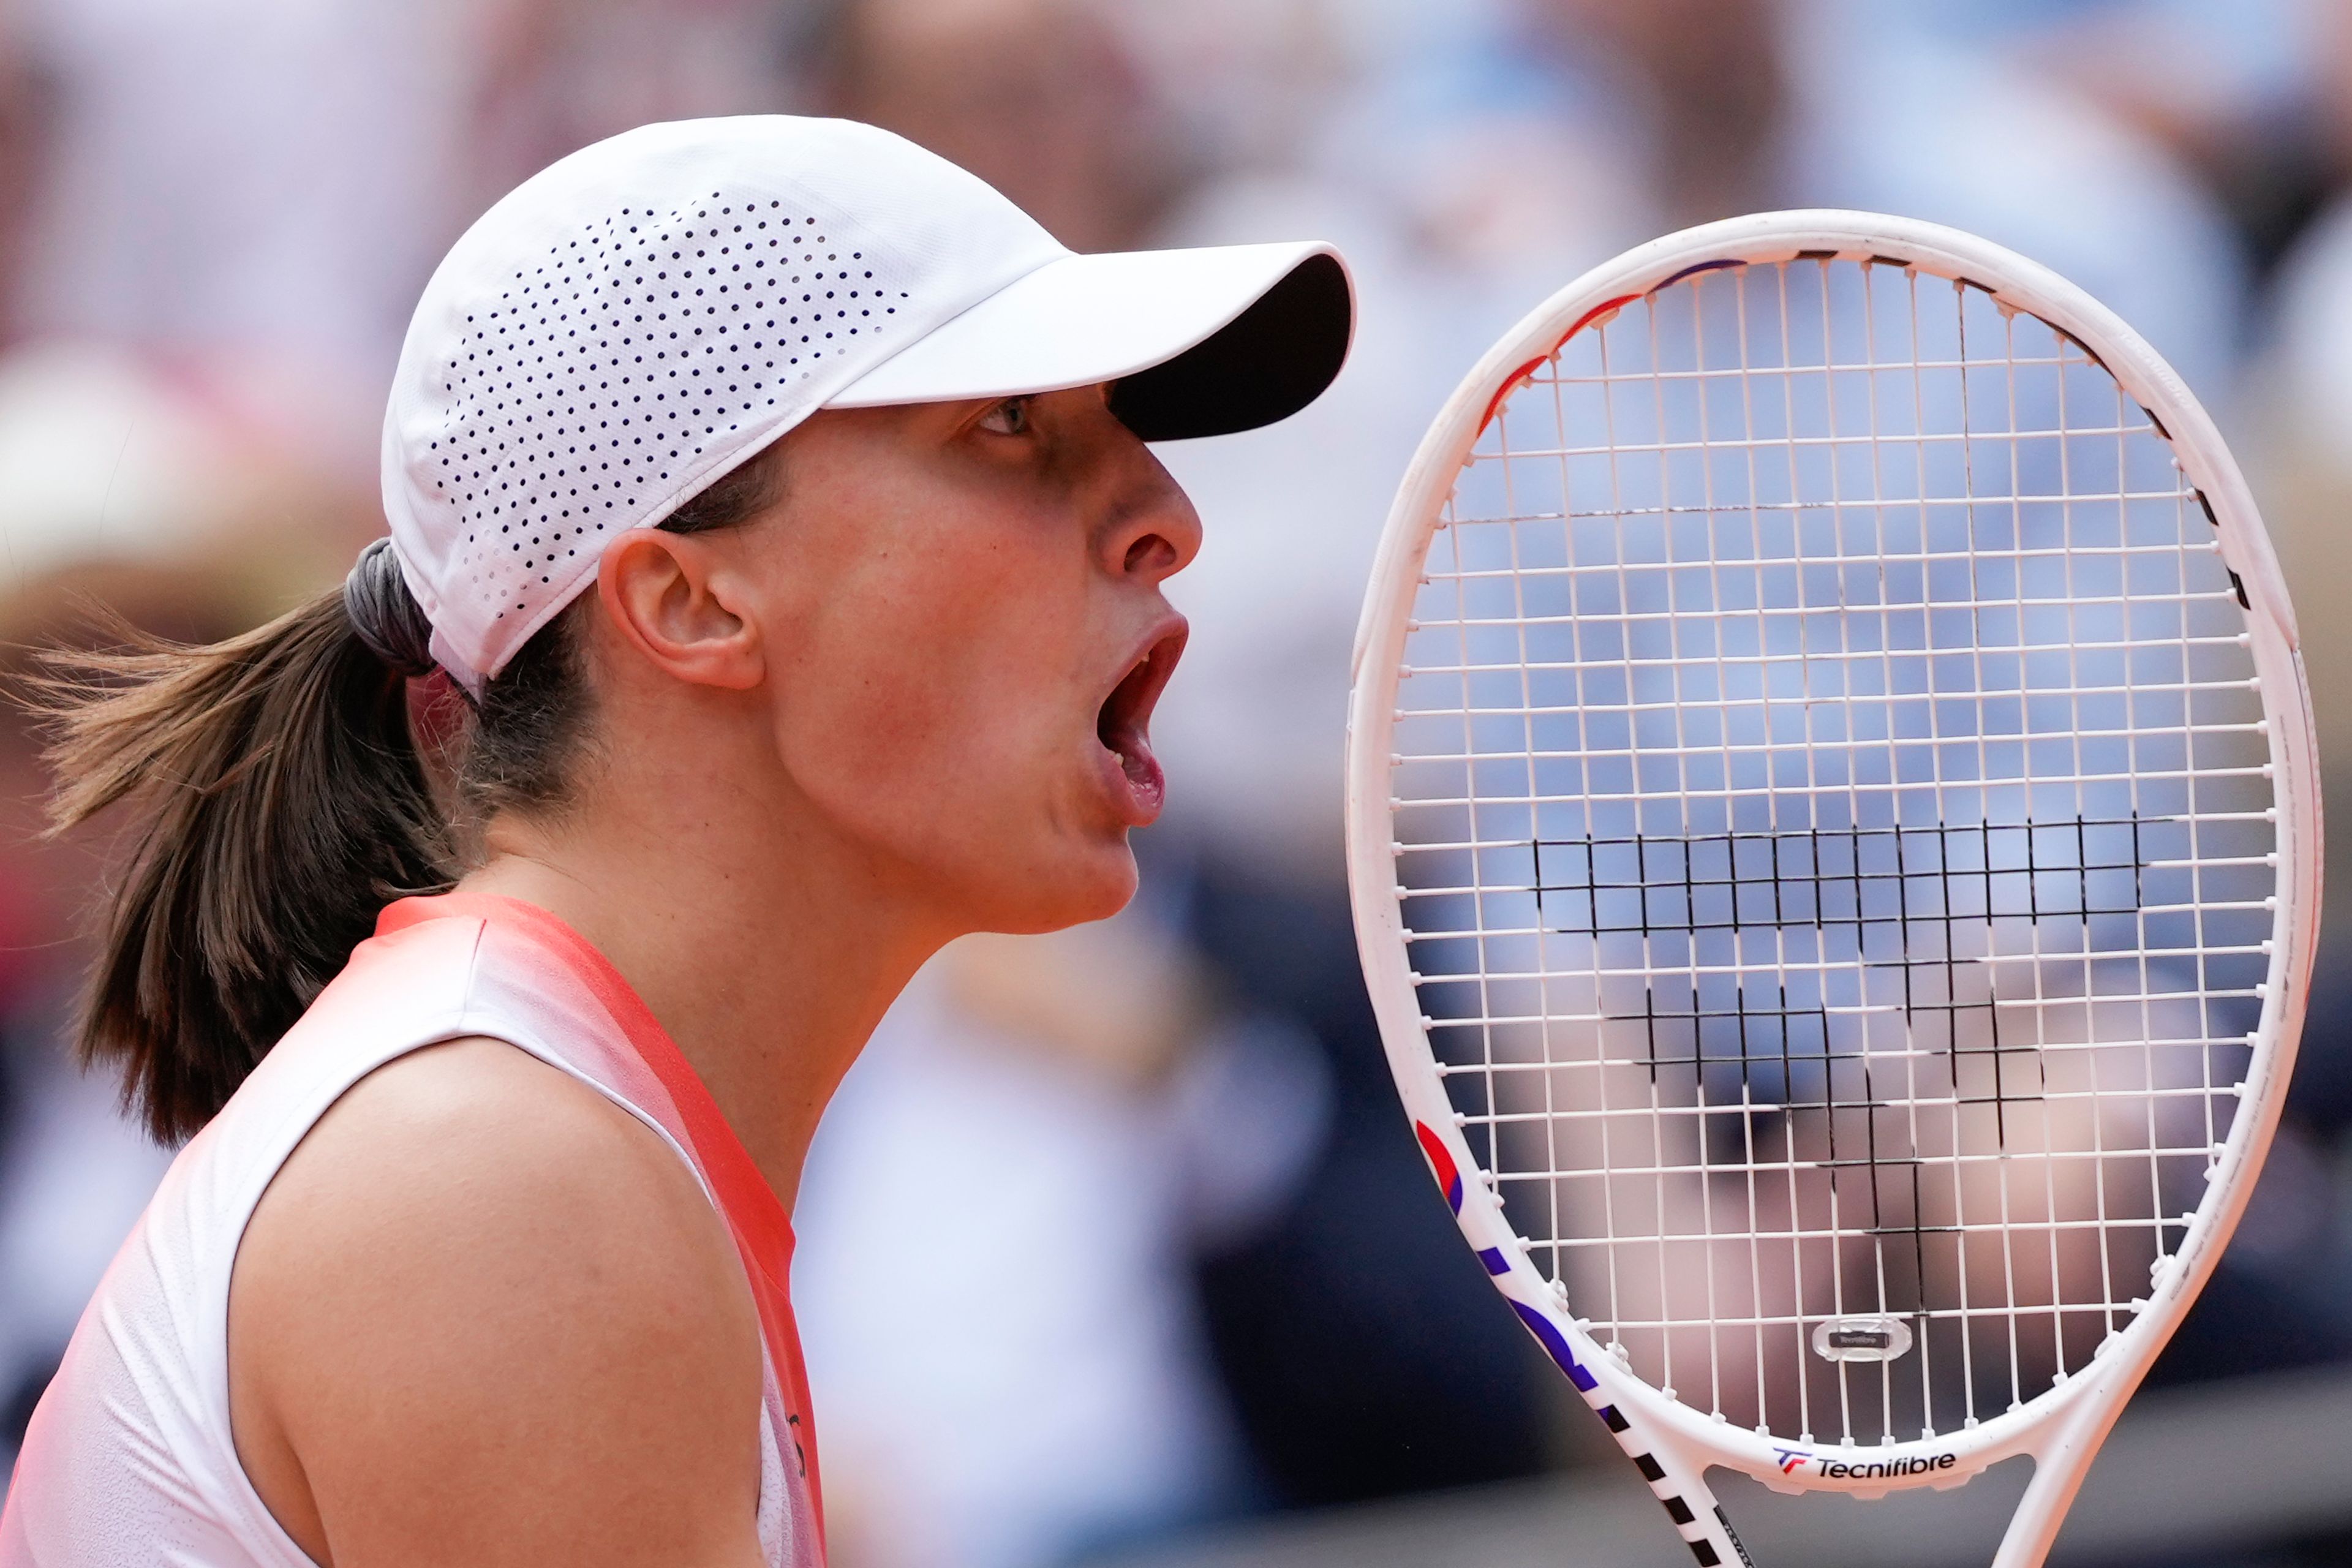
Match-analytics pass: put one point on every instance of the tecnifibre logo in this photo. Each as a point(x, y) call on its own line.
point(1795, 1459)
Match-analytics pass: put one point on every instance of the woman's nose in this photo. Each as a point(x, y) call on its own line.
point(1158, 533)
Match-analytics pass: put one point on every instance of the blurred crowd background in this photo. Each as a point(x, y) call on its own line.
point(1120, 1232)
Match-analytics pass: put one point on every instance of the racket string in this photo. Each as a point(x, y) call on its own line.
point(1729, 1099)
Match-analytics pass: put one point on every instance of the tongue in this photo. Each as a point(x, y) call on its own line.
point(1141, 768)
point(1135, 756)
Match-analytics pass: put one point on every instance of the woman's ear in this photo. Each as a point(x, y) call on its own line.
point(676, 602)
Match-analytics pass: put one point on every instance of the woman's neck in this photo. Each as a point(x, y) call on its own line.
point(768, 956)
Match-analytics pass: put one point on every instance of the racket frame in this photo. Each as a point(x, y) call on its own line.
point(1672, 1442)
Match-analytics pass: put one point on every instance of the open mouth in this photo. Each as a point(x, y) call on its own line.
point(1123, 725)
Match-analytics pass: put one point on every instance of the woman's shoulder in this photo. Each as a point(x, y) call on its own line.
point(475, 1261)
point(470, 1133)
point(471, 1168)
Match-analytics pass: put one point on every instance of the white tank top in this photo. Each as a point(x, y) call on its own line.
point(129, 1458)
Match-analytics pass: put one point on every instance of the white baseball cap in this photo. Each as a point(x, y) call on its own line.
point(642, 317)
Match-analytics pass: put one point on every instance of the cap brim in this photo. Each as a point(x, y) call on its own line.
point(1195, 343)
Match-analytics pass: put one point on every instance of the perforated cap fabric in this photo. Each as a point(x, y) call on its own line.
point(641, 317)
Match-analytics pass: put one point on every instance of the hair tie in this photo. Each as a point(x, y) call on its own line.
point(386, 616)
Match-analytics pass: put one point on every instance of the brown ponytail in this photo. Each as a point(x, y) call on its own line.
point(283, 802)
point(284, 805)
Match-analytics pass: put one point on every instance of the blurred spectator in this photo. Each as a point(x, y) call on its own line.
point(1715, 107)
point(2229, 86)
point(539, 79)
point(245, 184)
point(1033, 96)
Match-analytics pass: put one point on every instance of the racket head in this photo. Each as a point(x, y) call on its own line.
point(1536, 366)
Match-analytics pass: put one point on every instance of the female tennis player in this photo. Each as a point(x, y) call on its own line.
point(775, 494)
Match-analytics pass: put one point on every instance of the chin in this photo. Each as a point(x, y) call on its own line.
point(1092, 886)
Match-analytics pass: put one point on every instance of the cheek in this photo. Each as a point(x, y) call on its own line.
point(929, 703)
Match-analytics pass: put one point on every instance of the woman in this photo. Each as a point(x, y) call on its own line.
point(775, 495)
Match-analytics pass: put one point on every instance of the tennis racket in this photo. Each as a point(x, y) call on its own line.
point(1835, 844)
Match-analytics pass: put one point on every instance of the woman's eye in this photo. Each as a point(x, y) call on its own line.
point(1010, 417)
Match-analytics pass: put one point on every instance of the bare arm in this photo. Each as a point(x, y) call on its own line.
point(484, 1317)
